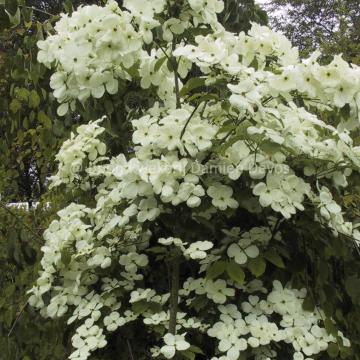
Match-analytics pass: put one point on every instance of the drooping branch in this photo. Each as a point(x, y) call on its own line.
point(175, 64)
point(187, 121)
point(18, 219)
point(36, 10)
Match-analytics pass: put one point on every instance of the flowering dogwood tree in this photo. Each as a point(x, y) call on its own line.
point(189, 238)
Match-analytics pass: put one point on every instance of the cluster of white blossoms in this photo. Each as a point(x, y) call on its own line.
point(97, 46)
point(250, 326)
point(243, 137)
point(78, 153)
point(91, 49)
point(196, 250)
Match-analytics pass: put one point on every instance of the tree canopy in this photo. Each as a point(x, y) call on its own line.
point(331, 25)
point(191, 226)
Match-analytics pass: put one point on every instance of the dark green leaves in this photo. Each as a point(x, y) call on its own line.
point(44, 119)
point(257, 266)
point(216, 269)
point(271, 256)
point(159, 63)
point(235, 272)
point(15, 105)
point(192, 84)
point(11, 6)
point(333, 350)
point(34, 99)
point(352, 286)
point(191, 352)
point(309, 303)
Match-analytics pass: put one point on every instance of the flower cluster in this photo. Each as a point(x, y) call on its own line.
point(251, 325)
point(77, 153)
point(91, 50)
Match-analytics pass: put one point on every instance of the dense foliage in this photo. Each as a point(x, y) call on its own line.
point(23, 333)
point(236, 151)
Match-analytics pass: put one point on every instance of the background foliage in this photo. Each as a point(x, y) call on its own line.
point(23, 333)
point(332, 25)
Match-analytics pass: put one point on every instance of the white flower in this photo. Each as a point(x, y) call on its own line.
point(133, 260)
point(221, 196)
point(242, 251)
point(172, 241)
point(287, 81)
point(172, 26)
point(113, 321)
point(142, 294)
point(148, 210)
point(285, 193)
point(174, 343)
point(217, 291)
point(197, 250)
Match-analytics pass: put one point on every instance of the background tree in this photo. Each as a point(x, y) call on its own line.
point(331, 25)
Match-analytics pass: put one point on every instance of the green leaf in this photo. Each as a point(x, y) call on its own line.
point(58, 128)
point(65, 256)
point(4, 19)
point(34, 99)
point(333, 350)
point(11, 7)
point(140, 306)
point(187, 354)
point(274, 258)
point(201, 97)
point(309, 303)
point(235, 272)
point(15, 19)
point(199, 303)
point(157, 250)
point(22, 94)
point(15, 106)
point(270, 147)
point(68, 6)
point(330, 327)
point(196, 350)
point(24, 235)
point(215, 269)
point(133, 71)
point(27, 15)
point(352, 286)
point(44, 120)
point(159, 63)
point(257, 266)
point(192, 84)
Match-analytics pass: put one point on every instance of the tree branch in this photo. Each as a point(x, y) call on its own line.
point(36, 10)
point(17, 318)
point(187, 121)
point(175, 66)
point(18, 219)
